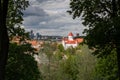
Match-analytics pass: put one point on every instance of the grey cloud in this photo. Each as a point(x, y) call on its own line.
point(34, 11)
point(31, 20)
point(41, 1)
point(49, 17)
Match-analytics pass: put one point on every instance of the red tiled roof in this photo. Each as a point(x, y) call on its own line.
point(79, 40)
point(74, 41)
point(70, 42)
point(33, 42)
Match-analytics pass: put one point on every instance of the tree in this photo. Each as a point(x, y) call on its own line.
point(102, 18)
point(61, 48)
point(10, 15)
point(105, 70)
point(19, 63)
point(70, 68)
point(14, 17)
point(75, 64)
point(4, 40)
point(48, 51)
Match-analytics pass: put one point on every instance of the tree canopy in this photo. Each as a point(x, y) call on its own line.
point(106, 67)
point(10, 20)
point(75, 64)
point(102, 19)
point(15, 17)
point(21, 65)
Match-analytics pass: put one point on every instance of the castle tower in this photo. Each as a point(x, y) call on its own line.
point(70, 36)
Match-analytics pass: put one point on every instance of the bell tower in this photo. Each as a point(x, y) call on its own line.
point(70, 36)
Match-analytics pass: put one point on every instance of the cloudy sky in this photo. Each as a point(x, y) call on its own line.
point(49, 17)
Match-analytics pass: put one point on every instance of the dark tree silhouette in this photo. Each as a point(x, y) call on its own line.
point(103, 20)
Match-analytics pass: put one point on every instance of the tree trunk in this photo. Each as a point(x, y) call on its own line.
point(4, 39)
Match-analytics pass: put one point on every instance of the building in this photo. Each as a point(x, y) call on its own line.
point(36, 44)
point(71, 41)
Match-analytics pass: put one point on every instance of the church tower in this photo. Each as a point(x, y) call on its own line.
point(70, 36)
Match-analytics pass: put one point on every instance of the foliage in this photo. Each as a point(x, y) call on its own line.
point(61, 48)
point(70, 50)
point(17, 62)
point(107, 68)
point(21, 66)
point(70, 68)
point(86, 63)
point(15, 17)
point(99, 17)
point(102, 19)
point(70, 64)
point(48, 49)
point(46, 54)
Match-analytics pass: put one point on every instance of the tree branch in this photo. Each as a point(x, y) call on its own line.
point(105, 8)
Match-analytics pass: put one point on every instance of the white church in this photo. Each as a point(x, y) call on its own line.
point(70, 41)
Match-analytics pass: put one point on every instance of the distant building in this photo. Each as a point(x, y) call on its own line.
point(31, 34)
point(38, 36)
point(36, 44)
point(71, 41)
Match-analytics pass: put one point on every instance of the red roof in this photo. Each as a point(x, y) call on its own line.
point(70, 34)
point(79, 40)
point(74, 41)
point(70, 42)
point(33, 42)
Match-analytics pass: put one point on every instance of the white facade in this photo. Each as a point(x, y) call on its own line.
point(69, 42)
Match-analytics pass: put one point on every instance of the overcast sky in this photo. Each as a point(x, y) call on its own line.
point(49, 17)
